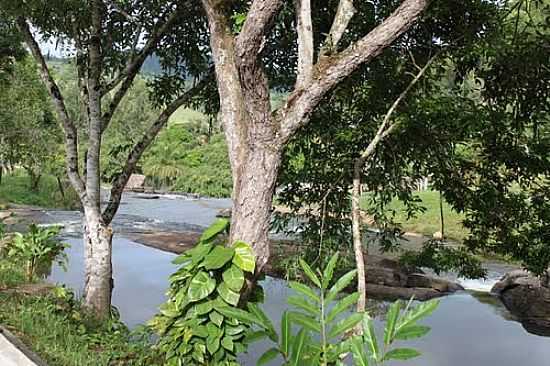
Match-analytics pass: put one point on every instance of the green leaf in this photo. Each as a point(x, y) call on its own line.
point(229, 296)
point(218, 257)
point(268, 355)
point(344, 325)
point(309, 273)
point(341, 284)
point(229, 330)
point(255, 336)
point(239, 314)
point(304, 290)
point(244, 257)
point(212, 344)
point(227, 343)
point(420, 311)
point(234, 278)
point(303, 304)
point(286, 335)
point(265, 321)
point(200, 331)
point(216, 228)
point(329, 270)
point(216, 318)
point(391, 322)
point(369, 335)
point(360, 357)
point(342, 306)
point(298, 347)
point(201, 286)
point(305, 321)
point(411, 331)
point(401, 354)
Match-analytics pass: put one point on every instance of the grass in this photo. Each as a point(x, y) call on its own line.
point(56, 329)
point(429, 222)
point(15, 188)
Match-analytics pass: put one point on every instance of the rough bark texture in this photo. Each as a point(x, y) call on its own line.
point(256, 136)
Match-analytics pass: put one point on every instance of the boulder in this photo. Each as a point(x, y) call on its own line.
point(525, 297)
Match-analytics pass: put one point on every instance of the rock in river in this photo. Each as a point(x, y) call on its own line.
point(526, 298)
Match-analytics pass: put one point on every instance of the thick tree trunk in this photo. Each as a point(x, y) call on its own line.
point(98, 248)
point(357, 237)
point(253, 200)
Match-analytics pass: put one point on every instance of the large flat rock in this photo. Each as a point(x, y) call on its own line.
point(15, 353)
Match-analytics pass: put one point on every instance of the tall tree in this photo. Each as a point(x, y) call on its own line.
point(110, 41)
point(255, 134)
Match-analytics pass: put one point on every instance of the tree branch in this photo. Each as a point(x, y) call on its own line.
point(147, 138)
point(304, 27)
point(332, 70)
point(126, 78)
point(69, 129)
point(343, 16)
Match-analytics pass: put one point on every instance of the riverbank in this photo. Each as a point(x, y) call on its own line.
point(51, 323)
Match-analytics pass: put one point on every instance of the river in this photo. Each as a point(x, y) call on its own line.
point(469, 328)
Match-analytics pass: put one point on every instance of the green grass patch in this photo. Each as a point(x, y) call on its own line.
point(55, 328)
point(429, 222)
point(15, 188)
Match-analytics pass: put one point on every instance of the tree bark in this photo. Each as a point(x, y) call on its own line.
point(99, 272)
point(357, 237)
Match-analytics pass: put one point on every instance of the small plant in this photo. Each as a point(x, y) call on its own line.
point(199, 324)
point(326, 325)
point(37, 247)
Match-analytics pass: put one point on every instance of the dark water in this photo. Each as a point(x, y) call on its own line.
point(468, 329)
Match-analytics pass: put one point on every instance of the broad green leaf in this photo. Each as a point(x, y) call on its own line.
point(304, 290)
point(234, 278)
point(266, 322)
point(216, 318)
point(329, 270)
point(305, 321)
point(341, 284)
point(239, 314)
point(218, 257)
point(298, 347)
point(344, 325)
point(369, 335)
point(229, 330)
point(309, 273)
point(401, 354)
point(303, 304)
point(201, 286)
point(216, 228)
point(200, 331)
point(286, 333)
point(244, 257)
point(229, 296)
point(360, 357)
point(391, 322)
point(411, 331)
point(342, 306)
point(212, 344)
point(227, 343)
point(268, 355)
point(203, 308)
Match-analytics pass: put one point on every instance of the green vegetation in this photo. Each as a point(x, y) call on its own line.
point(428, 221)
point(15, 188)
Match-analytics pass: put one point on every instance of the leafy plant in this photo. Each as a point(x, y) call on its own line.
point(200, 323)
point(37, 247)
point(326, 326)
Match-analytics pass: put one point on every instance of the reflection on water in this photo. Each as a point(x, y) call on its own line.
point(466, 329)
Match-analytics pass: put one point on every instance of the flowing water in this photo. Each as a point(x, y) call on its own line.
point(470, 328)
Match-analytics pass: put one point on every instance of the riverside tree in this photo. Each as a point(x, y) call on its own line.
point(109, 41)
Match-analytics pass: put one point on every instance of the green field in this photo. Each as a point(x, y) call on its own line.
point(429, 222)
point(15, 189)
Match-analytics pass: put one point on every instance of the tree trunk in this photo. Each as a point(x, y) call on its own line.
point(357, 237)
point(60, 187)
point(253, 200)
point(98, 248)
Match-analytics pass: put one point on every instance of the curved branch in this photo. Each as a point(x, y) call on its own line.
point(69, 129)
point(147, 138)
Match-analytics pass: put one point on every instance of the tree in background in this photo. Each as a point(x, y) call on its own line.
point(110, 42)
